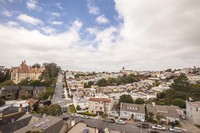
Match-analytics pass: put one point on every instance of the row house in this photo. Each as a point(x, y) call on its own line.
point(100, 105)
point(132, 111)
point(137, 112)
point(15, 92)
point(168, 113)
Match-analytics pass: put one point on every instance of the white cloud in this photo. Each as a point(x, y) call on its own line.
point(30, 20)
point(7, 13)
point(12, 23)
point(57, 23)
point(33, 5)
point(153, 35)
point(59, 5)
point(93, 9)
point(48, 30)
point(102, 20)
point(55, 14)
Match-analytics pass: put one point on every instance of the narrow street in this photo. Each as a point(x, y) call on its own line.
point(58, 99)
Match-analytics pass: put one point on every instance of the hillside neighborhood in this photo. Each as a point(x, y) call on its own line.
point(44, 97)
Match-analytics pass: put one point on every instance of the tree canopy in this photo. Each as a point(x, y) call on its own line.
point(2, 102)
point(180, 91)
point(53, 109)
point(139, 101)
point(125, 99)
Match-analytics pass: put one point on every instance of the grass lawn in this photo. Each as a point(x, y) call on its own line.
point(71, 109)
point(87, 113)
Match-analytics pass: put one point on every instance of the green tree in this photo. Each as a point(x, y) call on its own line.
point(78, 107)
point(51, 71)
point(2, 102)
point(53, 109)
point(125, 99)
point(24, 82)
point(168, 70)
point(45, 95)
point(102, 82)
point(139, 101)
point(181, 83)
point(179, 102)
point(36, 65)
point(7, 83)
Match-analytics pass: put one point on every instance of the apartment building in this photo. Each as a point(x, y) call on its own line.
point(193, 112)
point(25, 72)
point(100, 105)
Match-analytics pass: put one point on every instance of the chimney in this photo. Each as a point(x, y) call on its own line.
point(153, 104)
point(20, 108)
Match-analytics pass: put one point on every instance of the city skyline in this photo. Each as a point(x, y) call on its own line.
point(101, 35)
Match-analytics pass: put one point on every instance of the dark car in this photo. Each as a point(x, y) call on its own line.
point(65, 118)
point(143, 125)
point(85, 131)
point(111, 121)
point(153, 131)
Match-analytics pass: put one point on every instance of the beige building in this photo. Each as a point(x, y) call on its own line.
point(100, 105)
point(25, 72)
point(193, 112)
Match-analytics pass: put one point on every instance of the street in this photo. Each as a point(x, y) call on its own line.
point(58, 99)
point(112, 126)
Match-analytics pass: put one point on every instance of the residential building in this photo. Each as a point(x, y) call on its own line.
point(132, 111)
point(167, 113)
point(193, 112)
point(15, 92)
point(28, 122)
point(25, 72)
point(100, 105)
point(9, 92)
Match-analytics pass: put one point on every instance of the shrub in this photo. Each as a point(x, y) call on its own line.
point(87, 113)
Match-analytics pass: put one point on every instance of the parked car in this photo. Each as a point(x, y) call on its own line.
point(85, 130)
point(175, 129)
point(65, 118)
point(111, 121)
point(86, 117)
point(143, 125)
point(120, 122)
point(158, 127)
point(153, 131)
point(183, 117)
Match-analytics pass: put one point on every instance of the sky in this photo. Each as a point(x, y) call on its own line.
point(101, 35)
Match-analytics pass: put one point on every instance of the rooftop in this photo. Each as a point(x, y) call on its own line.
point(100, 100)
point(132, 107)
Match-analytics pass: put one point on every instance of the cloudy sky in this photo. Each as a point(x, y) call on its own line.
point(101, 35)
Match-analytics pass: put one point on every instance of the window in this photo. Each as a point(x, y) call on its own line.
point(100, 108)
point(196, 109)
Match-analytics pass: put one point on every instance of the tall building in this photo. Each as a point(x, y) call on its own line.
point(25, 72)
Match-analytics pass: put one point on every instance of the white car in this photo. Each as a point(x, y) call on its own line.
point(86, 117)
point(121, 122)
point(175, 129)
point(158, 127)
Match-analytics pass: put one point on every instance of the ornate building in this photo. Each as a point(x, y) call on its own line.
point(25, 72)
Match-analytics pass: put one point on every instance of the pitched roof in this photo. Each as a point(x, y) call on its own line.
point(168, 111)
point(100, 100)
point(26, 87)
point(10, 88)
point(138, 108)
